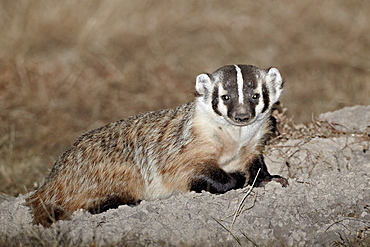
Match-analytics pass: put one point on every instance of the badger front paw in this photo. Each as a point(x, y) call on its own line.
point(216, 180)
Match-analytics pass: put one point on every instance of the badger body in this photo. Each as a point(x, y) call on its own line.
point(213, 143)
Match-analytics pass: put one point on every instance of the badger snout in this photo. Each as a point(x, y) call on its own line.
point(241, 117)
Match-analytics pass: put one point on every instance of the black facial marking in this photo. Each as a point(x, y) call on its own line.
point(228, 76)
point(230, 84)
point(252, 106)
point(266, 97)
point(248, 72)
point(215, 101)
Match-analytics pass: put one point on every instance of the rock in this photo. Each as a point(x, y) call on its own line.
point(4, 197)
point(353, 119)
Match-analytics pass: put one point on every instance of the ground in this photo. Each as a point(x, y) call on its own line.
point(327, 203)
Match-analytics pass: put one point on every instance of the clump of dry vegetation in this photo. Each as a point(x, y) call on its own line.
point(67, 66)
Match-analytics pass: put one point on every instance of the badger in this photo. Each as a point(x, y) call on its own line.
point(213, 143)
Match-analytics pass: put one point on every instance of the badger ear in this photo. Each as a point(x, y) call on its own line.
point(203, 84)
point(275, 83)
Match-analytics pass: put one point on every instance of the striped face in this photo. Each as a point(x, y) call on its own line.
point(240, 94)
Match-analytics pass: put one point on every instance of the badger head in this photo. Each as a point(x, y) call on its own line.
point(239, 94)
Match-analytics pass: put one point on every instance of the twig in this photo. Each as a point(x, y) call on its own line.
point(236, 238)
point(245, 235)
point(346, 218)
point(237, 211)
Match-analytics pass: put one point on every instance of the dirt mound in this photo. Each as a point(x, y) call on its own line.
point(326, 204)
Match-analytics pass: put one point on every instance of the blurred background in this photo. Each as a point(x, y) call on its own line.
point(71, 66)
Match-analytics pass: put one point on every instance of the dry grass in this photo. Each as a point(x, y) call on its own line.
point(70, 66)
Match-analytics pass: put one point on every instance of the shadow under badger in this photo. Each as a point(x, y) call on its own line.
point(213, 143)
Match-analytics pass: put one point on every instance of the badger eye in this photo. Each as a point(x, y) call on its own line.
point(256, 96)
point(225, 97)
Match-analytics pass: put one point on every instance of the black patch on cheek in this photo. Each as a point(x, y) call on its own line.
point(215, 101)
point(266, 98)
point(231, 106)
point(252, 109)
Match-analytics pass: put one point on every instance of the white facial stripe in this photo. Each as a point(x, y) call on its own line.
point(260, 101)
point(240, 82)
point(221, 105)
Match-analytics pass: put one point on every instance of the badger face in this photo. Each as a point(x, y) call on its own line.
point(239, 94)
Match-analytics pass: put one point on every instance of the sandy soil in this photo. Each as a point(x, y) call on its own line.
point(326, 204)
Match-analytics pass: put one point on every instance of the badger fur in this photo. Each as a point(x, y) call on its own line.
point(213, 143)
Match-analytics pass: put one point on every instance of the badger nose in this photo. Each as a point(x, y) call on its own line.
point(241, 118)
